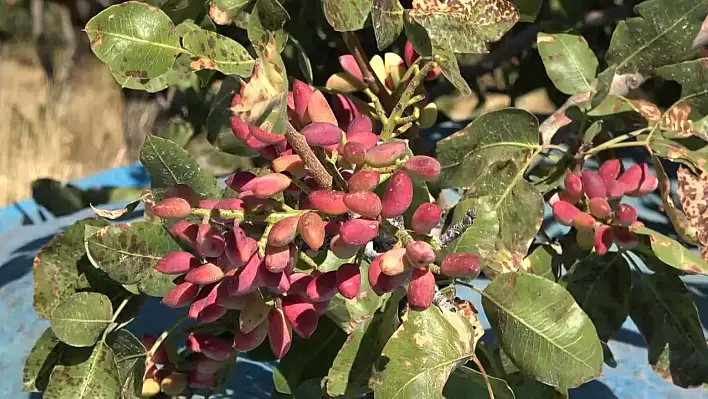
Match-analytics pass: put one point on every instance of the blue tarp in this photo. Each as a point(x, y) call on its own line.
point(632, 378)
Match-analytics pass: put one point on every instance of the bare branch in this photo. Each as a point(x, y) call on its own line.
point(299, 144)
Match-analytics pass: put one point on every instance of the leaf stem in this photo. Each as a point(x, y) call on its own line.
point(403, 102)
point(164, 336)
point(496, 368)
point(307, 259)
point(371, 80)
point(484, 374)
point(614, 143)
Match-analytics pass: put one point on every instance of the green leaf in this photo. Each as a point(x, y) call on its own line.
point(671, 252)
point(128, 251)
point(543, 330)
point(350, 314)
point(346, 15)
point(662, 34)
point(424, 351)
point(303, 61)
point(214, 51)
point(693, 78)
point(541, 262)
point(569, 62)
point(169, 165)
point(528, 9)
point(85, 373)
point(186, 26)
point(154, 283)
point(507, 134)
point(600, 285)
point(129, 354)
point(81, 318)
point(467, 383)
point(465, 26)
point(40, 362)
point(57, 267)
point(510, 212)
point(268, 18)
point(450, 68)
point(666, 316)
point(232, 7)
point(355, 371)
point(134, 39)
point(309, 358)
point(387, 19)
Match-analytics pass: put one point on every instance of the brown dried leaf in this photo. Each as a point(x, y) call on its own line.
point(693, 193)
point(683, 225)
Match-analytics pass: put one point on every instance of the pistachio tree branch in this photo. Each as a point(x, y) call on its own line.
point(299, 144)
point(371, 80)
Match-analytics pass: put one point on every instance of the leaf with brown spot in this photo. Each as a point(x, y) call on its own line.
point(85, 373)
point(40, 362)
point(214, 51)
point(685, 229)
point(264, 97)
point(433, 342)
point(169, 165)
point(662, 34)
point(464, 26)
point(693, 104)
point(442, 29)
point(693, 194)
point(664, 311)
point(128, 251)
point(543, 330)
point(130, 356)
point(346, 15)
point(691, 152)
point(509, 209)
point(387, 20)
point(569, 62)
point(671, 252)
point(355, 370)
point(57, 267)
point(134, 39)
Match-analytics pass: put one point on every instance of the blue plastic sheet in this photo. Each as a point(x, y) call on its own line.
point(632, 378)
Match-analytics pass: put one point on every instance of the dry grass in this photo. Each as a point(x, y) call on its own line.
point(78, 136)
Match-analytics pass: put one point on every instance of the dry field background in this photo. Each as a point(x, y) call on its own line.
point(78, 136)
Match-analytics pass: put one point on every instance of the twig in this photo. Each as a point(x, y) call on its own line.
point(455, 230)
point(299, 144)
point(375, 85)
